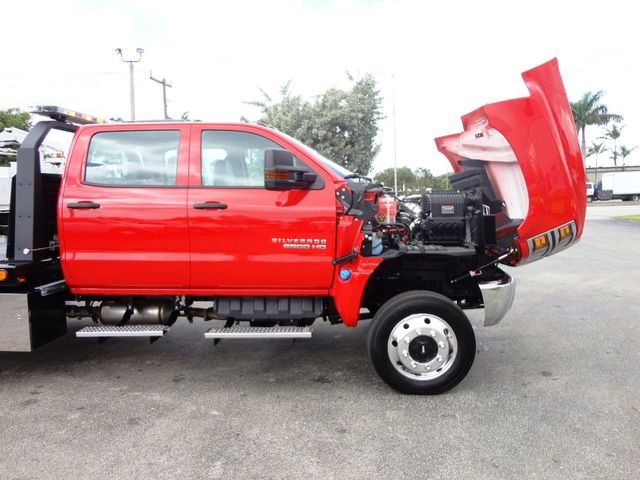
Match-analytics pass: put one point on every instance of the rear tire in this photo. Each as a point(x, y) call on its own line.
point(421, 343)
point(635, 198)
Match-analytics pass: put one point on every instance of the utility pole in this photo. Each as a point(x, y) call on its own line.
point(164, 84)
point(139, 51)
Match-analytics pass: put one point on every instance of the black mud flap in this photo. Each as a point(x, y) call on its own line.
point(29, 320)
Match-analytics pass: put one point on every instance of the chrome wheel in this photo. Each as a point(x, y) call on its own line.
point(421, 343)
point(422, 347)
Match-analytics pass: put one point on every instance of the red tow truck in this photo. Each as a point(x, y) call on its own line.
point(243, 225)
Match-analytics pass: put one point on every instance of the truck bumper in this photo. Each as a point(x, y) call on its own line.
point(498, 298)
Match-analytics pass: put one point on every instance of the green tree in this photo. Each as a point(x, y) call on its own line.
point(340, 124)
point(13, 118)
point(625, 152)
point(424, 179)
point(590, 111)
point(613, 134)
point(407, 180)
point(597, 149)
point(5, 159)
point(441, 182)
point(411, 182)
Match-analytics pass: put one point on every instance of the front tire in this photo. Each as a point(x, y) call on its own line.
point(421, 343)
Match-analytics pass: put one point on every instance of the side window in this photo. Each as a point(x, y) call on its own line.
point(233, 159)
point(144, 158)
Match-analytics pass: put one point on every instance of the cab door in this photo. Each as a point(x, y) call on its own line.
point(123, 209)
point(246, 238)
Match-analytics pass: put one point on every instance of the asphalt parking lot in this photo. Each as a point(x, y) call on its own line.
point(554, 393)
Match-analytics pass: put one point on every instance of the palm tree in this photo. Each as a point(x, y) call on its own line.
point(589, 111)
point(613, 134)
point(596, 149)
point(625, 152)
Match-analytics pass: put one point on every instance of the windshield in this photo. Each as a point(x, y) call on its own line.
point(339, 169)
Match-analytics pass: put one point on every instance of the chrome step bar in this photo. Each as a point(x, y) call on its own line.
point(259, 332)
point(105, 331)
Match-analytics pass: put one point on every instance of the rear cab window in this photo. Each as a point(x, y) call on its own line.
point(143, 158)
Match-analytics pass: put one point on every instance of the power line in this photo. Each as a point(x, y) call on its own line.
point(60, 74)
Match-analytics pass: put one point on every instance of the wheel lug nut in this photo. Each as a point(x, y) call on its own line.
point(441, 344)
point(433, 333)
point(418, 332)
point(428, 367)
point(414, 364)
point(405, 354)
point(407, 339)
point(439, 358)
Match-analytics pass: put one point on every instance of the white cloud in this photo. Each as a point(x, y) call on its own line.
point(447, 58)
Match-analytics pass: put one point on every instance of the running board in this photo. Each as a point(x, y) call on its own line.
point(259, 332)
point(105, 331)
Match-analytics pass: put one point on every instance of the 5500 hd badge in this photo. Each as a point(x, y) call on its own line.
point(301, 243)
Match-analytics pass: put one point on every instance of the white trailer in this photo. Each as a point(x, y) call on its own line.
point(623, 185)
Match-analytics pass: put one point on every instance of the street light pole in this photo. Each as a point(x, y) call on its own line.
point(139, 51)
point(395, 157)
point(132, 95)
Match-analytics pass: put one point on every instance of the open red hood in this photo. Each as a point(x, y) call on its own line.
point(529, 149)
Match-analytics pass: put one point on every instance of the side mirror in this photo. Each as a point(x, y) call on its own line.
point(281, 173)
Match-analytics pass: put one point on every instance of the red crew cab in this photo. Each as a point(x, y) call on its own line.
point(242, 224)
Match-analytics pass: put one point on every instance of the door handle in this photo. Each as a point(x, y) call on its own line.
point(83, 205)
point(210, 206)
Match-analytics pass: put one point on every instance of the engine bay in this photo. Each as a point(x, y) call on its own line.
point(469, 215)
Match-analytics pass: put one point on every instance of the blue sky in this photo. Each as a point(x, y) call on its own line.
point(443, 59)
